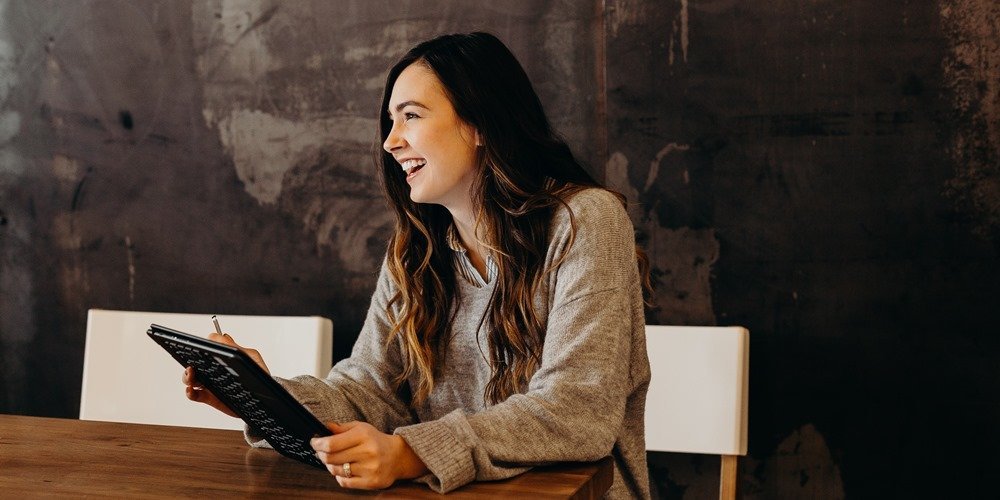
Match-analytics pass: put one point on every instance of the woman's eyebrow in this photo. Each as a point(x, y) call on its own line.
point(400, 106)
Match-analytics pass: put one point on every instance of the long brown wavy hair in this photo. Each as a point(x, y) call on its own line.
point(525, 172)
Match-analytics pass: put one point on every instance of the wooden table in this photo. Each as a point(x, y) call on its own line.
point(75, 458)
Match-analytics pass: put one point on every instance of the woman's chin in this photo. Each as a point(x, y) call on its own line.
point(417, 197)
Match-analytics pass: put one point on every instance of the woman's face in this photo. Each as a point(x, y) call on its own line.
point(430, 142)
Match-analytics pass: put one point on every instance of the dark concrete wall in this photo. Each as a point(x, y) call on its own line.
point(824, 173)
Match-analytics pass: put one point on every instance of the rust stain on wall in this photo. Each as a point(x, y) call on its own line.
point(801, 467)
point(295, 145)
point(682, 273)
point(682, 257)
point(972, 74)
point(10, 120)
point(336, 203)
point(622, 13)
point(680, 33)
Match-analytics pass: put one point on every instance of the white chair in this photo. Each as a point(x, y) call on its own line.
point(127, 377)
point(698, 395)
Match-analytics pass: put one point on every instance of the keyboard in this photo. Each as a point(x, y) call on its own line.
point(260, 401)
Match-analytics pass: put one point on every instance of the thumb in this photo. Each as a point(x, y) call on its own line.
point(338, 428)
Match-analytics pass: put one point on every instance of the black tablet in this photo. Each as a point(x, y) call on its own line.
point(234, 378)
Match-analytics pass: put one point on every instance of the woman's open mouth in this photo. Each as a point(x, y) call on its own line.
point(411, 167)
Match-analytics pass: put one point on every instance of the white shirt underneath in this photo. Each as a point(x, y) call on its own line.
point(464, 264)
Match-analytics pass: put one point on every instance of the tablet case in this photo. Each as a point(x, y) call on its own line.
point(267, 408)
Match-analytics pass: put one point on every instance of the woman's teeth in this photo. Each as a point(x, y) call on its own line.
point(409, 165)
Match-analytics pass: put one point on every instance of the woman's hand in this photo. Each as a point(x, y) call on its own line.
point(376, 459)
point(195, 391)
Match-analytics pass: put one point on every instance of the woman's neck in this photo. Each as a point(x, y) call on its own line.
point(465, 224)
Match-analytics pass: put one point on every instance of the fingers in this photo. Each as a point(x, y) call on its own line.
point(362, 479)
point(197, 392)
point(194, 388)
point(338, 469)
point(205, 396)
point(353, 444)
point(227, 339)
point(201, 395)
point(339, 448)
point(189, 379)
point(224, 338)
point(341, 440)
point(338, 428)
point(363, 447)
point(341, 470)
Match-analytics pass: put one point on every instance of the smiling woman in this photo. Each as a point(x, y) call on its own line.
point(507, 326)
point(435, 147)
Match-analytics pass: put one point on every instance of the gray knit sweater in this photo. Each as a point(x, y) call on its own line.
point(585, 402)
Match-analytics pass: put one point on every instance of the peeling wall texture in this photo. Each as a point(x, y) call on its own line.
point(825, 173)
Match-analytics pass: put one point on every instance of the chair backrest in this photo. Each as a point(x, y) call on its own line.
point(127, 377)
point(698, 395)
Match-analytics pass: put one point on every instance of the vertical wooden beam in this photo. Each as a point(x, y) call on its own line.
point(728, 477)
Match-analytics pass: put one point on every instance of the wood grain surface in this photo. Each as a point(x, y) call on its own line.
point(74, 458)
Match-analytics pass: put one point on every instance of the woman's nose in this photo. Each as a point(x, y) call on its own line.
point(393, 141)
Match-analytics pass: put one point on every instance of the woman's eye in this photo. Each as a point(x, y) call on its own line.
point(407, 116)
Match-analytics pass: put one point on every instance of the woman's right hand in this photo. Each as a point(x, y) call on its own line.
point(195, 391)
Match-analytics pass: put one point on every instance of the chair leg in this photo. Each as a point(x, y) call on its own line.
point(728, 477)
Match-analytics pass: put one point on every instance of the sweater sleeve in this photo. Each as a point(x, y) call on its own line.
point(361, 386)
point(574, 406)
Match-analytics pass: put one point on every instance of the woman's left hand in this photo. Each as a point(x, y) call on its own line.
point(376, 459)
